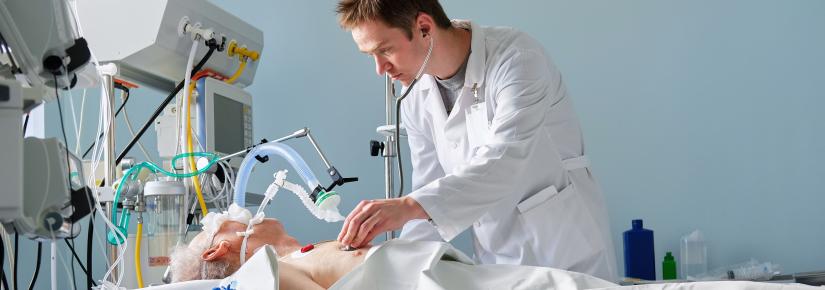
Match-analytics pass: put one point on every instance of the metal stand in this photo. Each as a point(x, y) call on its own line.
point(109, 153)
point(388, 146)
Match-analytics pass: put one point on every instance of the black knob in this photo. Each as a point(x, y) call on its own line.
point(52, 64)
point(376, 147)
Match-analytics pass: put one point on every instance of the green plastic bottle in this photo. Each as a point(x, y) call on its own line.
point(669, 267)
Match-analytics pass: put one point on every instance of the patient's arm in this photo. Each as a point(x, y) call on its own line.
point(292, 277)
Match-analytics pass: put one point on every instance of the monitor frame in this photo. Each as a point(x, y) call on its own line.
point(212, 87)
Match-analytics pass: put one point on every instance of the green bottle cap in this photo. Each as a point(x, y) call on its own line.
point(668, 257)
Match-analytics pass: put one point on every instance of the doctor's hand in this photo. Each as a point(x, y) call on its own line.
point(373, 217)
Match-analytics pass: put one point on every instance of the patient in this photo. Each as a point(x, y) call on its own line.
point(219, 256)
point(398, 264)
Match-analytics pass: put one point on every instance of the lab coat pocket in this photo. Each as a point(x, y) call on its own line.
point(537, 199)
point(554, 221)
point(478, 125)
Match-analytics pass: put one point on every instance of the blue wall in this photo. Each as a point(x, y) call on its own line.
point(697, 114)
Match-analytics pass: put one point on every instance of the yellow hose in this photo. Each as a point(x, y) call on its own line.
point(195, 179)
point(241, 51)
point(238, 72)
point(138, 272)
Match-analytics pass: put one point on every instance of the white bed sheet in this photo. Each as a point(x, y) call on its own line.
point(402, 264)
point(734, 285)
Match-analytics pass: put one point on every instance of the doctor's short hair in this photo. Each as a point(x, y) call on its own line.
point(395, 13)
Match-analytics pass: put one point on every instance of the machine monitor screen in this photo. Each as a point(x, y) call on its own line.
point(229, 117)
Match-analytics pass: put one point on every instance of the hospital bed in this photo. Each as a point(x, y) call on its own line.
point(402, 264)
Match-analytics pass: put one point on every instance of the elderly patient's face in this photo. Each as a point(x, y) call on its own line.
point(227, 244)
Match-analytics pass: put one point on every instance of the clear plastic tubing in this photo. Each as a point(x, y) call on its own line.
point(269, 149)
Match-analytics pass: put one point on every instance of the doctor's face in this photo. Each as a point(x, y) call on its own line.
point(392, 51)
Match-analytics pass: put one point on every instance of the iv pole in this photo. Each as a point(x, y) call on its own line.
point(388, 146)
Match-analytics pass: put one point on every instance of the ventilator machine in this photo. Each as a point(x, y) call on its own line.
point(202, 58)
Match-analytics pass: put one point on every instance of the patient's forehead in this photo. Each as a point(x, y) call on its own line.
point(205, 237)
point(268, 225)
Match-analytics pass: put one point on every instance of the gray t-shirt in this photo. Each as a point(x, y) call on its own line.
point(451, 88)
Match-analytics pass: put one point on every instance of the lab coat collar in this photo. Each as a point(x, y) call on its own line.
point(451, 125)
point(477, 63)
point(444, 125)
point(434, 103)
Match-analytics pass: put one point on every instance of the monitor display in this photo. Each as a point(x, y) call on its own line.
point(229, 125)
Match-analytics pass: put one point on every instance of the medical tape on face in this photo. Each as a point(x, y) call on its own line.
point(254, 221)
point(213, 221)
point(245, 234)
point(259, 217)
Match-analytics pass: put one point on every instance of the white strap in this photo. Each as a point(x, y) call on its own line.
point(245, 233)
point(574, 163)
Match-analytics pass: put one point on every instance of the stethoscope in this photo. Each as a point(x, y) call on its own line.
point(398, 112)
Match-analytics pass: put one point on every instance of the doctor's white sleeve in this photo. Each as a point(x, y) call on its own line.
point(525, 85)
point(423, 157)
point(425, 169)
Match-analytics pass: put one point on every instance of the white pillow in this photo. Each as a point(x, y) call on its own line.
point(259, 272)
point(187, 285)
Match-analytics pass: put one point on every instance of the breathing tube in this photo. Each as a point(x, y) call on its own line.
point(264, 151)
point(325, 204)
point(325, 207)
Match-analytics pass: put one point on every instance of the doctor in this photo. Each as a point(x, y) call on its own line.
point(495, 143)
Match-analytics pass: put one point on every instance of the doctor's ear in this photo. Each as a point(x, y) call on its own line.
point(216, 252)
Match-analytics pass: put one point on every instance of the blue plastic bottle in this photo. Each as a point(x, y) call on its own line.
point(638, 252)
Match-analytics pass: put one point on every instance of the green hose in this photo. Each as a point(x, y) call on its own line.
point(123, 226)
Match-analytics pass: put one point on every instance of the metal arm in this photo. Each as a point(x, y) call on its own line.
point(337, 179)
point(296, 134)
point(317, 149)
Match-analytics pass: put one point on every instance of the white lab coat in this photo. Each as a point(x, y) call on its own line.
point(526, 187)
